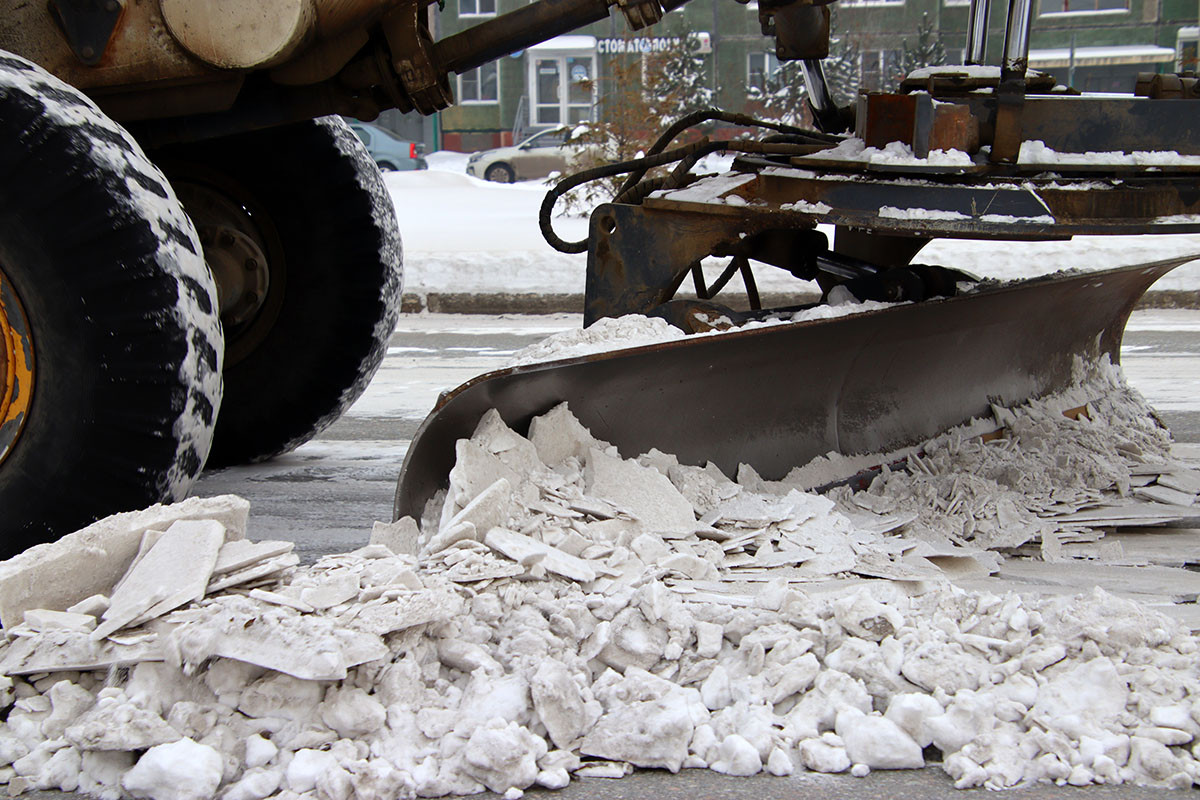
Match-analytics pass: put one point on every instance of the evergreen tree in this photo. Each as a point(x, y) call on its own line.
point(927, 51)
point(784, 97)
point(677, 81)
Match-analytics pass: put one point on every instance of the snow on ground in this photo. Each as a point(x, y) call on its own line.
point(462, 234)
point(565, 613)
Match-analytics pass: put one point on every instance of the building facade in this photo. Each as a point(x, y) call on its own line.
point(1094, 45)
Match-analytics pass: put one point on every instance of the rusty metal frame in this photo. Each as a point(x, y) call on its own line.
point(640, 254)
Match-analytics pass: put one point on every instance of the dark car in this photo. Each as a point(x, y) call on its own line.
point(389, 150)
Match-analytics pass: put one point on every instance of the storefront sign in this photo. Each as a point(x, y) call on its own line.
point(644, 45)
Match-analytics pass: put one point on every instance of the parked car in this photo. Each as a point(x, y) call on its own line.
point(535, 157)
point(389, 150)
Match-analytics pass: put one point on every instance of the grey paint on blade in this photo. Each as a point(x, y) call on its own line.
point(775, 397)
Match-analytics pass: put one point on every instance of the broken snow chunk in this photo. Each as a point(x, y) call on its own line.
point(488, 509)
point(704, 487)
point(242, 553)
point(306, 768)
point(709, 636)
point(690, 566)
point(826, 754)
point(528, 551)
point(280, 696)
point(255, 784)
point(631, 641)
point(451, 535)
point(938, 665)
point(401, 536)
point(506, 444)
point(644, 491)
point(877, 741)
point(92, 560)
point(259, 571)
point(409, 610)
point(277, 638)
point(651, 727)
point(351, 712)
point(910, 711)
point(658, 460)
point(115, 723)
point(41, 619)
point(1092, 690)
point(278, 599)
point(174, 572)
point(259, 751)
point(863, 616)
point(332, 591)
point(475, 469)
point(67, 702)
point(61, 650)
point(182, 770)
point(93, 606)
point(779, 763)
point(561, 703)
point(503, 755)
point(557, 435)
point(737, 757)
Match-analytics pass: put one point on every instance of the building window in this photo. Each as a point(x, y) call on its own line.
point(1187, 49)
point(879, 69)
point(480, 85)
point(760, 68)
point(1082, 6)
point(477, 8)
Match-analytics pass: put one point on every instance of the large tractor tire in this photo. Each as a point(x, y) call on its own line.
point(110, 345)
point(300, 232)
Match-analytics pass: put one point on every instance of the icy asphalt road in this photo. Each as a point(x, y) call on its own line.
point(326, 495)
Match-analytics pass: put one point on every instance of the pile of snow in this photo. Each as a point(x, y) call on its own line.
point(893, 153)
point(563, 612)
point(1036, 152)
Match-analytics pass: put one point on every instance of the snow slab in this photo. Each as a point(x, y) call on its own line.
point(91, 561)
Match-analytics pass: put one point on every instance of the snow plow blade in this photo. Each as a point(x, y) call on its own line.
point(775, 397)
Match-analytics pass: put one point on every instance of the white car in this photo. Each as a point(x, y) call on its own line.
point(535, 157)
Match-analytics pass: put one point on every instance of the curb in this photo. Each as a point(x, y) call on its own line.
point(532, 303)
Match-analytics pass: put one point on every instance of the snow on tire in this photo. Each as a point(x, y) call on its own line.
point(121, 311)
point(318, 209)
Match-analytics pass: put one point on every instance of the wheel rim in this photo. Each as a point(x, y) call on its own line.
point(16, 366)
point(245, 257)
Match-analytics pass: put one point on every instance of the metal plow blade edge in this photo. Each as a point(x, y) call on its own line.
point(775, 397)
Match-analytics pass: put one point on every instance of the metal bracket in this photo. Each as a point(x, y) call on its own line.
point(412, 46)
point(801, 30)
point(88, 25)
point(641, 13)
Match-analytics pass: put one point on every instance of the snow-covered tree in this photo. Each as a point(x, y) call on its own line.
point(783, 96)
point(926, 51)
point(677, 80)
